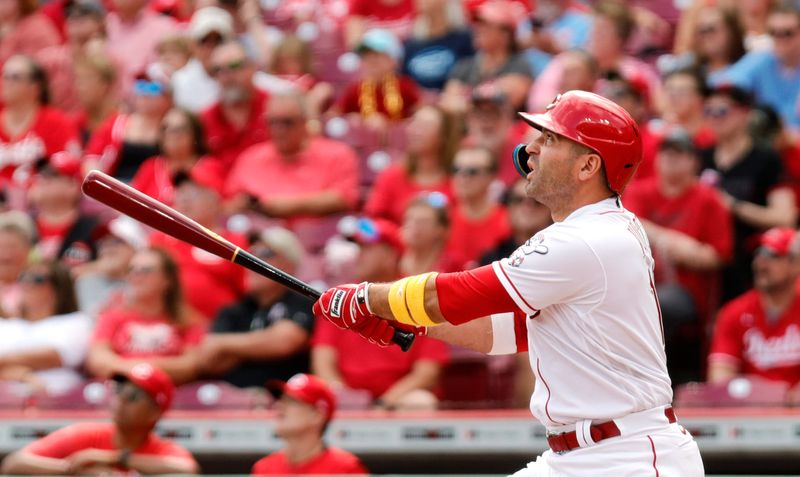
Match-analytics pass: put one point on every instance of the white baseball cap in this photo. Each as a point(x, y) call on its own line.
point(211, 19)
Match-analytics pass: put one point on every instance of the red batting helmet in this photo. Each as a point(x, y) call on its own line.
point(597, 123)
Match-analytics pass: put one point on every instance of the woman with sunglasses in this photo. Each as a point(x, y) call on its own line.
point(183, 146)
point(124, 141)
point(432, 137)
point(46, 345)
point(150, 322)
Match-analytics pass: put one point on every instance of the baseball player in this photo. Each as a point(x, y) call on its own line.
point(578, 296)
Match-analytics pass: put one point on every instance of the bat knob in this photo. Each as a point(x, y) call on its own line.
point(403, 339)
point(520, 157)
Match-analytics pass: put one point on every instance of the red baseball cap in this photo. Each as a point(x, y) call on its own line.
point(370, 231)
point(308, 389)
point(61, 164)
point(778, 240)
point(152, 380)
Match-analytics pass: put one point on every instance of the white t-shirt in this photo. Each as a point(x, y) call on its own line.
point(67, 334)
point(595, 335)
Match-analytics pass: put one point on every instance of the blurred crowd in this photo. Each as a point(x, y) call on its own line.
point(365, 140)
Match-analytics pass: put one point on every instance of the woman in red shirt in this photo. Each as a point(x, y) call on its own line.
point(151, 323)
point(433, 137)
point(183, 145)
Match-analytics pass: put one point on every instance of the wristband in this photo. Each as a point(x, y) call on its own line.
point(397, 302)
point(415, 299)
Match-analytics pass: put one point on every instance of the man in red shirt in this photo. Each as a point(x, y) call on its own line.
point(304, 410)
point(236, 121)
point(758, 333)
point(126, 445)
point(297, 177)
point(394, 379)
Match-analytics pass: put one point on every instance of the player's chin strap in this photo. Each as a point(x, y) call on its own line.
point(407, 300)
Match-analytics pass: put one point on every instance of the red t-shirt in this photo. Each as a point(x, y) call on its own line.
point(62, 443)
point(132, 335)
point(50, 132)
point(225, 141)
point(470, 239)
point(332, 461)
point(106, 141)
point(366, 366)
point(769, 349)
point(154, 177)
point(350, 101)
point(394, 189)
point(698, 213)
point(209, 282)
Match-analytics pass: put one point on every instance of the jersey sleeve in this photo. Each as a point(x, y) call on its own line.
point(552, 267)
point(727, 341)
point(509, 333)
point(63, 442)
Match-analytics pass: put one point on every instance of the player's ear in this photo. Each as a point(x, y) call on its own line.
point(591, 165)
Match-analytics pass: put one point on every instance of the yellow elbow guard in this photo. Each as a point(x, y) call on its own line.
point(407, 300)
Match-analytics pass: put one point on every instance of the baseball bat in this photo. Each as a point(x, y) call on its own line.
point(145, 209)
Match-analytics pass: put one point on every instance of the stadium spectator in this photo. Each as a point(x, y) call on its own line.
point(125, 140)
point(555, 26)
point(183, 147)
point(750, 176)
point(98, 281)
point(496, 59)
point(173, 52)
point(125, 445)
point(303, 412)
point(758, 333)
point(682, 103)
point(691, 233)
point(198, 196)
point(26, 31)
point(526, 217)
point(432, 136)
point(300, 178)
point(396, 16)
point(195, 89)
point(30, 129)
point(45, 345)
point(478, 222)
point(150, 323)
point(491, 124)
point(380, 94)
point(84, 23)
point(17, 236)
point(424, 231)
point(393, 378)
point(96, 92)
point(292, 61)
point(266, 334)
point(774, 76)
point(236, 121)
point(65, 233)
point(439, 39)
point(133, 32)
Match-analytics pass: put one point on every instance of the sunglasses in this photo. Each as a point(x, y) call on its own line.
point(783, 34)
point(287, 122)
point(16, 77)
point(717, 112)
point(232, 66)
point(148, 88)
point(175, 129)
point(707, 29)
point(130, 393)
point(469, 171)
point(34, 278)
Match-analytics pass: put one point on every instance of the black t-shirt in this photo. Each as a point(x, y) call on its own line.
point(429, 61)
point(245, 315)
point(502, 250)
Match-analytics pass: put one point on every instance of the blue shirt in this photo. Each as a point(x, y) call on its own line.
point(428, 62)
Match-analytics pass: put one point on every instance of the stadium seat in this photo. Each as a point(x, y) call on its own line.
point(88, 396)
point(475, 381)
point(218, 395)
point(353, 399)
point(741, 391)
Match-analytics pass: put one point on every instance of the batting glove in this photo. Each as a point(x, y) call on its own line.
point(377, 331)
point(345, 306)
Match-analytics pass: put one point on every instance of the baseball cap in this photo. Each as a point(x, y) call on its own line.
point(282, 242)
point(737, 94)
point(779, 241)
point(210, 19)
point(371, 231)
point(152, 380)
point(60, 164)
point(678, 139)
point(308, 389)
point(79, 8)
point(503, 13)
point(380, 41)
point(123, 228)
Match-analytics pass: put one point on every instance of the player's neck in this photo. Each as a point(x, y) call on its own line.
point(300, 449)
point(580, 199)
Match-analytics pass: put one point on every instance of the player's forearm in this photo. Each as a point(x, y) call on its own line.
point(37, 359)
point(379, 301)
point(24, 463)
point(475, 335)
point(780, 210)
point(150, 465)
point(321, 203)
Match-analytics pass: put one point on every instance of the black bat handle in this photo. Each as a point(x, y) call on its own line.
point(403, 339)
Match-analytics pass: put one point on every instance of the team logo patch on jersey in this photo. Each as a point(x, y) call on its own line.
point(533, 245)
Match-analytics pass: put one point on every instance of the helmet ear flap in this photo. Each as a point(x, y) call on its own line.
point(521, 160)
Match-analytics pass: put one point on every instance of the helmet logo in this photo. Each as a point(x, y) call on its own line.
point(553, 103)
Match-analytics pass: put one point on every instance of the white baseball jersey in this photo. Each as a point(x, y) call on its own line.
point(594, 326)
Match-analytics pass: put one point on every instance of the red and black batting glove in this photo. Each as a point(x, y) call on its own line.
point(377, 331)
point(345, 306)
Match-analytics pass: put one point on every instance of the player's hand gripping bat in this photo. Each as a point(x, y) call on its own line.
point(149, 211)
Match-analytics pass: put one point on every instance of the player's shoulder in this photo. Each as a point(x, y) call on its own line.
point(748, 302)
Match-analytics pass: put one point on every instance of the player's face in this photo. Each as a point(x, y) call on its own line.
point(552, 177)
point(294, 417)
